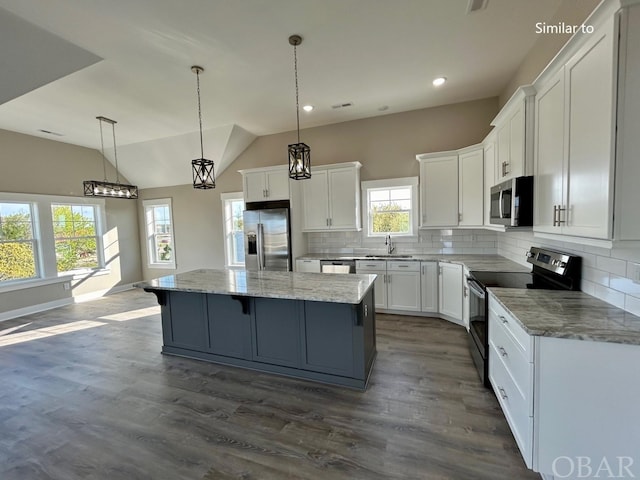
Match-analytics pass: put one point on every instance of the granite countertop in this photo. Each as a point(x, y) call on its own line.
point(490, 263)
point(569, 314)
point(334, 288)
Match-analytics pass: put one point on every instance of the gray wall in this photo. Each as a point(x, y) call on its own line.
point(571, 12)
point(386, 146)
point(40, 166)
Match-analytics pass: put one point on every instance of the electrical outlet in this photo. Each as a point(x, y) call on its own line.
point(635, 272)
point(66, 286)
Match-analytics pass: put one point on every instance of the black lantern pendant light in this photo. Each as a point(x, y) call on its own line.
point(104, 188)
point(203, 175)
point(299, 153)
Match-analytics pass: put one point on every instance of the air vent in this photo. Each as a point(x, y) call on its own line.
point(342, 105)
point(475, 5)
point(49, 132)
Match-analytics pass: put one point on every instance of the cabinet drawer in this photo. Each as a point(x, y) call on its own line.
point(506, 350)
point(308, 265)
point(362, 265)
point(514, 406)
point(511, 325)
point(403, 266)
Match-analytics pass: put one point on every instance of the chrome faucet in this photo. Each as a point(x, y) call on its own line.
point(389, 244)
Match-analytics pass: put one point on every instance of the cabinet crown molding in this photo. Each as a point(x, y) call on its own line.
point(336, 165)
point(427, 156)
point(272, 168)
point(522, 93)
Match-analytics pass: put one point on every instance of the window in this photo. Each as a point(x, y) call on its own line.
point(391, 207)
point(160, 238)
point(17, 242)
point(232, 208)
point(75, 233)
point(44, 238)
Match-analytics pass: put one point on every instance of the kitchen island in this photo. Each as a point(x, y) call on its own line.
point(317, 327)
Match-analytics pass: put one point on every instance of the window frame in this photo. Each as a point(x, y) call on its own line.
point(391, 183)
point(227, 199)
point(42, 221)
point(99, 232)
point(34, 241)
point(152, 262)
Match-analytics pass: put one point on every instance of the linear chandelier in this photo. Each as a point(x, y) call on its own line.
point(104, 188)
point(202, 169)
point(299, 153)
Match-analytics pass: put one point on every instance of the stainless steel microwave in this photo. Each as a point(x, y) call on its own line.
point(512, 202)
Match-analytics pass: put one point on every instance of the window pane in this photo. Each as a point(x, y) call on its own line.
point(17, 261)
point(238, 247)
point(396, 222)
point(401, 194)
point(76, 254)
point(377, 195)
point(74, 228)
point(15, 221)
point(164, 248)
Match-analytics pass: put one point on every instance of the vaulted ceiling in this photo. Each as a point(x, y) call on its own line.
point(64, 62)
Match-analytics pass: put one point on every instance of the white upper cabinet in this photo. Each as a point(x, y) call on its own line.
point(550, 153)
point(331, 198)
point(438, 189)
point(489, 173)
point(577, 164)
point(514, 136)
point(262, 184)
point(452, 188)
point(470, 199)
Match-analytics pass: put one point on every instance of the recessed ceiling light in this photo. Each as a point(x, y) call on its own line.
point(439, 81)
point(307, 108)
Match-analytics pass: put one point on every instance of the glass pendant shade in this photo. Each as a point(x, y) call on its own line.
point(203, 177)
point(299, 161)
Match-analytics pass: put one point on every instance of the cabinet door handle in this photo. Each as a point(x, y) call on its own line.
point(267, 193)
point(422, 269)
point(326, 221)
point(459, 217)
point(503, 394)
point(504, 320)
point(330, 221)
point(555, 215)
point(561, 209)
point(465, 292)
point(403, 266)
point(389, 278)
point(503, 352)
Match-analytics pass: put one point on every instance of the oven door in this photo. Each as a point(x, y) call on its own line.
point(478, 314)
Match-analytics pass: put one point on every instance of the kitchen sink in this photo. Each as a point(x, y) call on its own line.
point(389, 256)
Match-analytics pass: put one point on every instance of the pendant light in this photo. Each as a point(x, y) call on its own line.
point(104, 188)
point(299, 153)
point(203, 175)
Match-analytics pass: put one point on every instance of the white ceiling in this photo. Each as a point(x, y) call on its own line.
point(373, 53)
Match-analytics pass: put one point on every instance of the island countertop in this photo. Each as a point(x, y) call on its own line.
point(568, 314)
point(333, 288)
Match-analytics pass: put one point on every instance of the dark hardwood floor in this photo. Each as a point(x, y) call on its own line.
point(86, 394)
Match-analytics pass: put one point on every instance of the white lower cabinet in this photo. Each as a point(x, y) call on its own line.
point(378, 267)
point(307, 265)
point(403, 287)
point(450, 291)
point(429, 286)
point(571, 404)
point(511, 375)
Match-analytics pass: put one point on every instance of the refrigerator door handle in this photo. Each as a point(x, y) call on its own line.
point(260, 246)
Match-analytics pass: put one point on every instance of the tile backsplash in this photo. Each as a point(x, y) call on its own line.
point(606, 274)
point(446, 241)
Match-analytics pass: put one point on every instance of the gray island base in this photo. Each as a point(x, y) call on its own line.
point(318, 327)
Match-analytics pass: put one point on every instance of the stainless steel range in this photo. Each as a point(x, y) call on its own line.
point(552, 270)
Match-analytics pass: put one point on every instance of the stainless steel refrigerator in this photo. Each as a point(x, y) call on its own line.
point(267, 237)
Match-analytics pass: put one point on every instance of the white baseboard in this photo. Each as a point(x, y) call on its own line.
point(41, 307)
point(101, 293)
